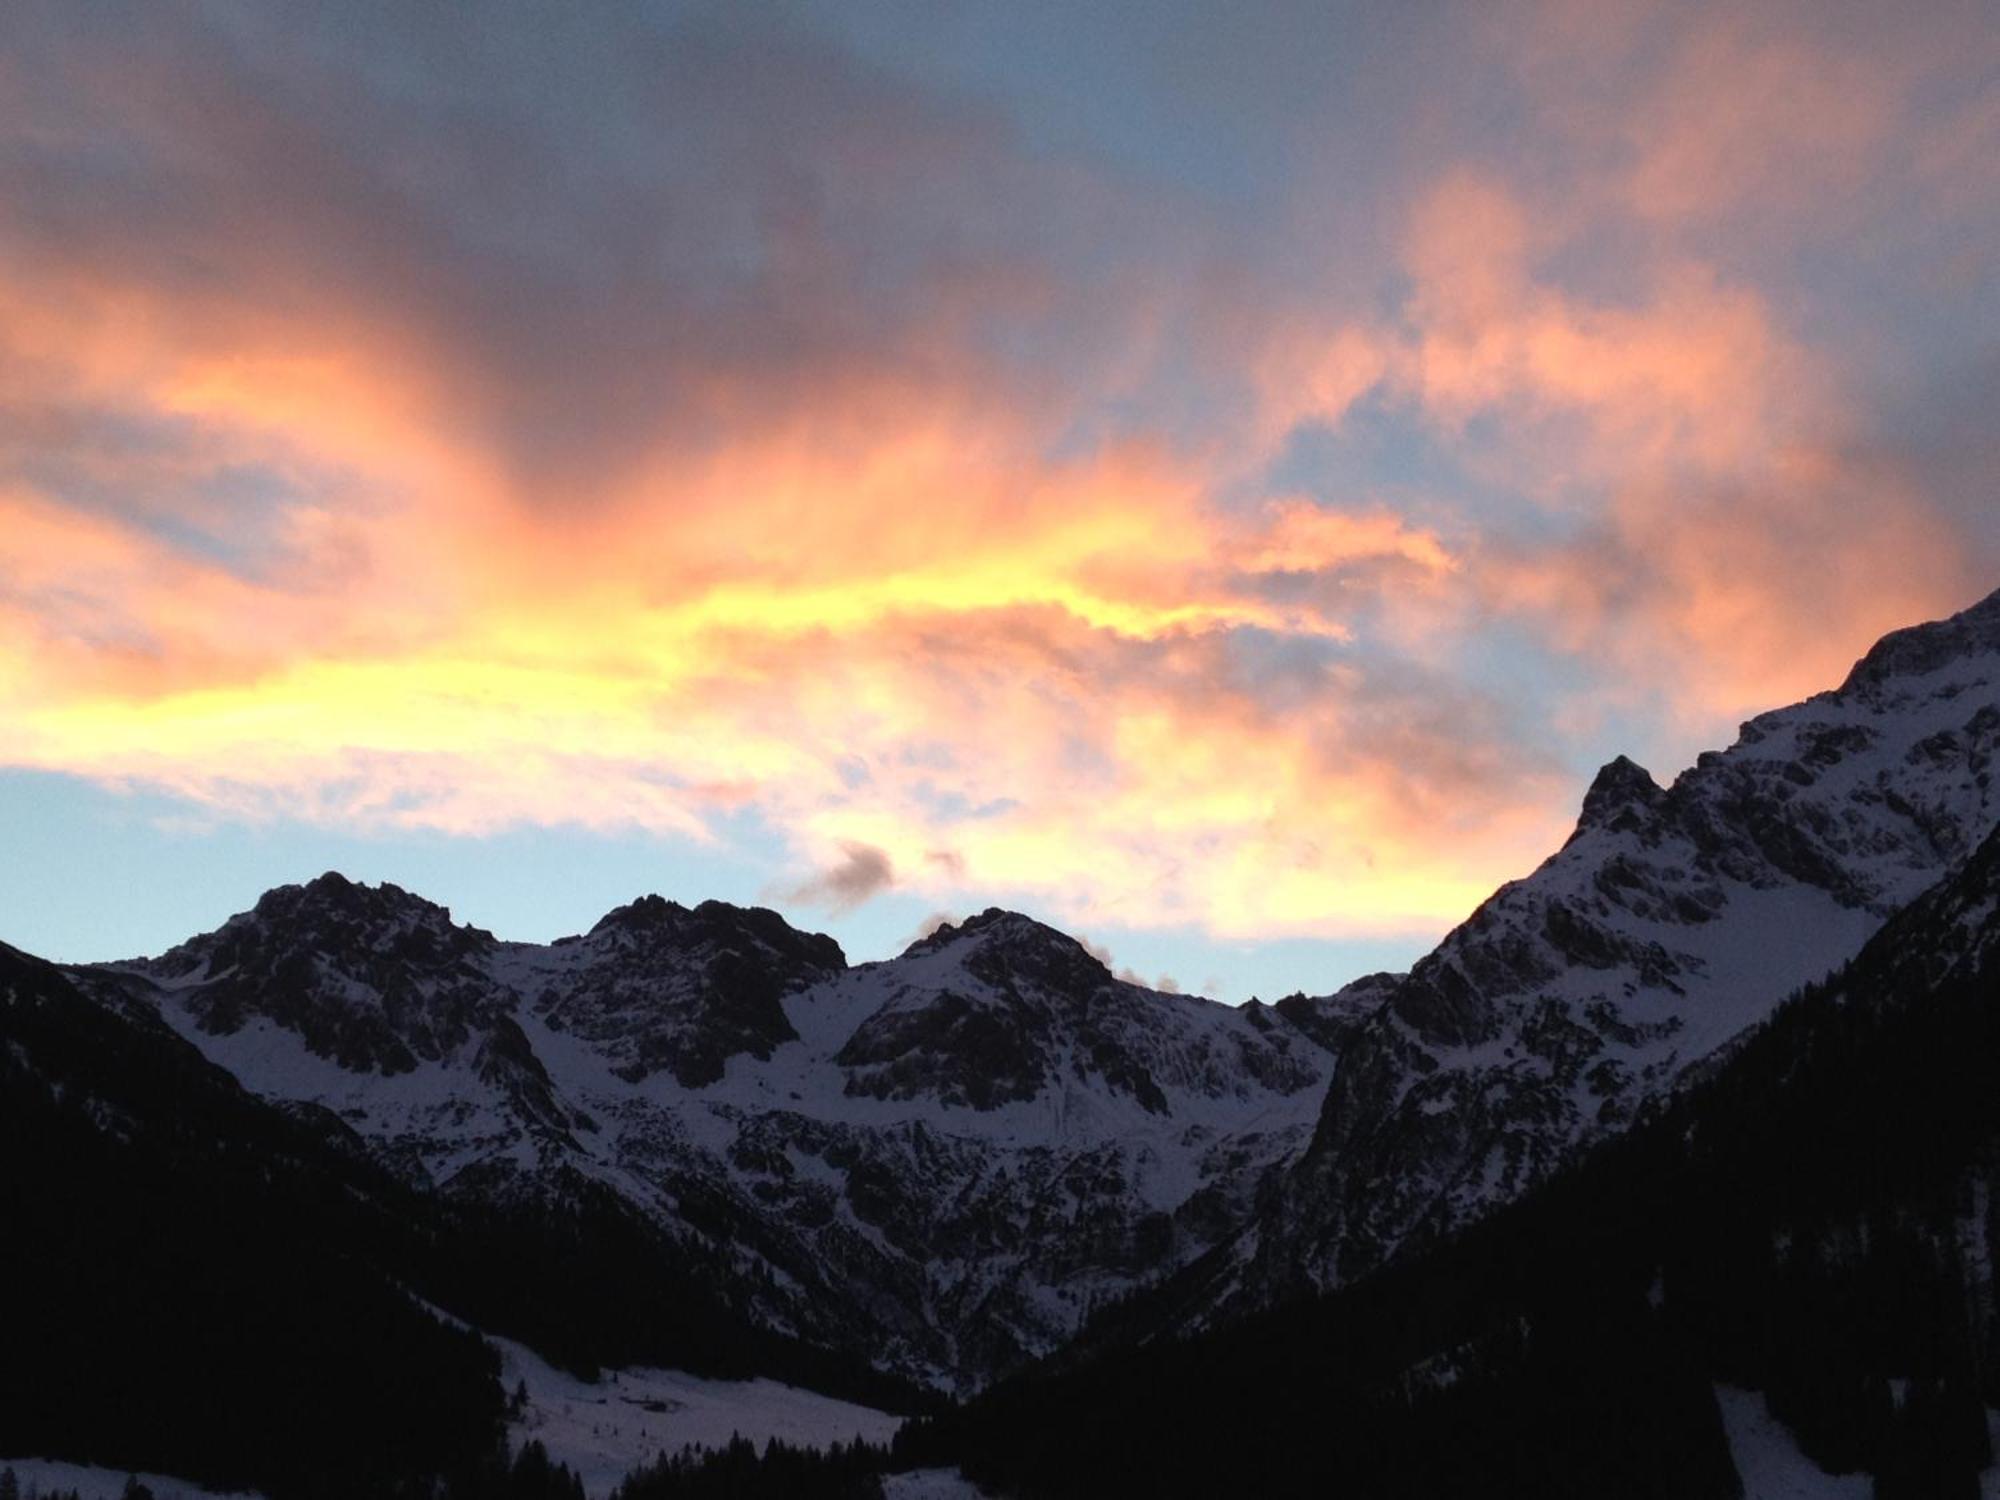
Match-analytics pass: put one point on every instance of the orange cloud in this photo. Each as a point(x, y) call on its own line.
point(396, 473)
point(1026, 658)
point(1594, 340)
point(1743, 111)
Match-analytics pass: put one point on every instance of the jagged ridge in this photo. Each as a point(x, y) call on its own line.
point(945, 1160)
point(1671, 922)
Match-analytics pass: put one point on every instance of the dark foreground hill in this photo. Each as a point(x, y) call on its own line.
point(196, 1282)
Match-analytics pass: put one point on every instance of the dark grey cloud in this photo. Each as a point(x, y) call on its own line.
point(595, 230)
point(948, 862)
point(861, 873)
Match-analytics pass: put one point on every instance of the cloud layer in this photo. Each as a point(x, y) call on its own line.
point(658, 423)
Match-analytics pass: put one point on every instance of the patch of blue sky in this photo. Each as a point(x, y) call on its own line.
point(93, 874)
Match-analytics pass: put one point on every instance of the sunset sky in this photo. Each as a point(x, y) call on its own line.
point(1219, 478)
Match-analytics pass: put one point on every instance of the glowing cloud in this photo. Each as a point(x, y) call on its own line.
point(748, 429)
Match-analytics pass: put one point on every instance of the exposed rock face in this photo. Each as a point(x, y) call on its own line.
point(1332, 1019)
point(1920, 650)
point(1037, 1006)
point(661, 988)
point(1620, 797)
point(372, 978)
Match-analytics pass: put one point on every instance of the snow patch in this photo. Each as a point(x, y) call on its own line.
point(1768, 1457)
point(42, 1476)
point(930, 1484)
point(605, 1429)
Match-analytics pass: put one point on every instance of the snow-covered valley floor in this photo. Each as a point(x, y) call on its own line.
point(628, 1417)
point(1773, 1468)
point(930, 1484)
point(44, 1476)
point(1768, 1456)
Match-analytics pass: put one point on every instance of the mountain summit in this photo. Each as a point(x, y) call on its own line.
point(1620, 796)
point(1920, 650)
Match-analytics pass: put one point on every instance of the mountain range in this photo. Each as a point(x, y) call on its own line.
point(699, 1136)
point(947, 1159)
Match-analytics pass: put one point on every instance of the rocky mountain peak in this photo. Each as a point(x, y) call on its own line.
point(654, 922)
point(1922, 649)
point(372, 977)
point(1010, 951)
point(1622, 792)
point(650, 913)
point(665, 988)
point(995, 924)
point(330, 915)
point(1002, 1009)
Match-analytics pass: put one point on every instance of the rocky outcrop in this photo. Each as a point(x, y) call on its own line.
point(371, 977)
point(661, 988)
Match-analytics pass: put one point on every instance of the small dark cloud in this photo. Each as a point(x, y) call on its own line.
point(762, 211)
point(862, 872)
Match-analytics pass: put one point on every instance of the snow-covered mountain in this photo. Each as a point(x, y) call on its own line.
point(944, 1160)
point(1780, 1284)
point(1672, 922)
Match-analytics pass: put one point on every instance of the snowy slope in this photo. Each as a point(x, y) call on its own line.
point(604, 1429)
point(45, 1476)
point(930, 1484)
point(1672, 921)
point(1768, 1458)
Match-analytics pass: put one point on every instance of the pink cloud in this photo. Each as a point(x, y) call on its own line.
point(833, 466)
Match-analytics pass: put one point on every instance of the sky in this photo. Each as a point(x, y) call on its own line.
point(1219, 478)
